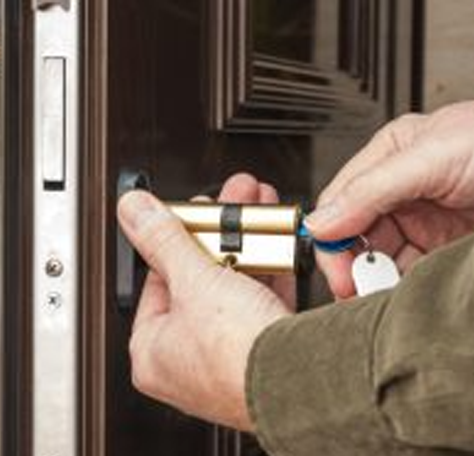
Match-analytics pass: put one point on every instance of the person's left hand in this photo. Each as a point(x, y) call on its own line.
point(196, 321)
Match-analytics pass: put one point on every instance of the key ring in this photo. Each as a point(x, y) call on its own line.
point(338, 246)
point(367, 246)
point(341, 245)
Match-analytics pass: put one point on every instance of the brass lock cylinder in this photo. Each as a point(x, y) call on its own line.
point(261, 219)
point(258, 239)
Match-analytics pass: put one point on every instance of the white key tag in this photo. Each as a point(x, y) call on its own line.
point(374, 271)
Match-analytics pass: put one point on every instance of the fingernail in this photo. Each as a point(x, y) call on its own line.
point(322, 216)
point(137, 209)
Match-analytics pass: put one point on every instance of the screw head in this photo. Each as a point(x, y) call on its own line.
point(54, 267)
point(54, 300)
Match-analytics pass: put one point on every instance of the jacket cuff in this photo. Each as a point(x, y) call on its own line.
point(309, 382)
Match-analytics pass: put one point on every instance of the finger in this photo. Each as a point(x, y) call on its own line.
point(201, 199)
point(267, 194)
point(285, 287)
point(241, 188)
point(385, 236)
point(395, 137)
point(154, 300)
point(161, 240)
point(368, 196)
point(337, 270)
point(429, 225)
point(407, 258)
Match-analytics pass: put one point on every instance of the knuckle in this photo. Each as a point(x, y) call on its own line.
point(141, 382)
point(267, 297)
point(399, 133)
point(268, 193)
point(457, 114)
point(408, 118)
point(351, 190)
point(140, 370)
point(396, 124)
point(243, 178)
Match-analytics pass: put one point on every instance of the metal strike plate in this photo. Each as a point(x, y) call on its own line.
point(46, 4)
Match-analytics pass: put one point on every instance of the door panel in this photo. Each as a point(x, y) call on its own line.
point(190, 92)
point(302, 67)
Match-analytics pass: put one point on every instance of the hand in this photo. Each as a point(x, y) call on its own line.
point(246, 189)
point(410, 190)
point(196, 321)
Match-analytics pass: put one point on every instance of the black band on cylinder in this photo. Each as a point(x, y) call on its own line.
point(231, 228)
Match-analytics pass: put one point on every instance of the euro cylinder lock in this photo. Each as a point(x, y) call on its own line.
point(257, 239)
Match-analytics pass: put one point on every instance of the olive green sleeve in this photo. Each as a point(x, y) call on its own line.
point(389, 374)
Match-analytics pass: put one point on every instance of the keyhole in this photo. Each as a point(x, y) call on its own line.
point(229, 261)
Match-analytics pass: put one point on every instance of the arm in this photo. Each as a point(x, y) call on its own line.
point(388, 374)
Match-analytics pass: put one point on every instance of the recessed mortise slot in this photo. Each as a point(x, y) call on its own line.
point(53, 123)
point(45, 4)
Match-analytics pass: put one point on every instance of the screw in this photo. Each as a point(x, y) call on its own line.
point(54, 267)
point(54, 300)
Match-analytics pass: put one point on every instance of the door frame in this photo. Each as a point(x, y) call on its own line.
point(93, 229)
point(17, 228)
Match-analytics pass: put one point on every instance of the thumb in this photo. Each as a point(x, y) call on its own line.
point(161, 239)
point(373, 193)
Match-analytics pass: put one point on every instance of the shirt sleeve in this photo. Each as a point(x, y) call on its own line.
point(388, 374)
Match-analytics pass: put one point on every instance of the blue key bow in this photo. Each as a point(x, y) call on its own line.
point(337, 246)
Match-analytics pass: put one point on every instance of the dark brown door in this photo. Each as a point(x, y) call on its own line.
point(194, 91)
point(190, 92)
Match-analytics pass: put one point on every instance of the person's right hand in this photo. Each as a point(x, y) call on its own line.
point(410, 190)
point(196, 322)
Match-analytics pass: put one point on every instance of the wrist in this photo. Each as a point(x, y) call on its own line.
point(243, 420)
